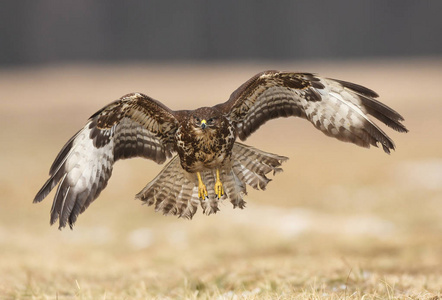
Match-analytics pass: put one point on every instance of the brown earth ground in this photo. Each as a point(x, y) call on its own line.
point(341, 222)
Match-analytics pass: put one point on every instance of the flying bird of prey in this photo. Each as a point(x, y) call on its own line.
point(209, 165)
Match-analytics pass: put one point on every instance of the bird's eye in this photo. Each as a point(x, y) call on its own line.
point(210, 120)
point(197, 119)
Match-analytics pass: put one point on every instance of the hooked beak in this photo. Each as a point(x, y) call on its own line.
point(203, 124)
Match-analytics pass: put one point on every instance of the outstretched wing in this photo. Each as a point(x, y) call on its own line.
point(135, 125)
point(338, 108)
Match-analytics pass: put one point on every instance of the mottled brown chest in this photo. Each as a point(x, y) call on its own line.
point(204, 149)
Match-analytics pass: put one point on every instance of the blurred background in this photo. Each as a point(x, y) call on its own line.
point(341, 220)
point(45, 31)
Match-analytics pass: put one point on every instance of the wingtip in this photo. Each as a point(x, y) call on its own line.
point(37, 199)
point(52, 222)
point(54, 218)
point(386, 149)
point(357, 88)
point(61, 225)
point(44, 191)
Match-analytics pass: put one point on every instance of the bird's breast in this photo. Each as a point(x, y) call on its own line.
point(200, 152)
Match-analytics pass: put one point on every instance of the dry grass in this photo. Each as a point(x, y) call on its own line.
point(340, 223)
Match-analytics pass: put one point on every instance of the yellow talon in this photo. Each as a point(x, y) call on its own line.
point(202, 190)
point(219, 190)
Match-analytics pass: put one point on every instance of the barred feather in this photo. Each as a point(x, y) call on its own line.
point(84, 165)
point(249, 167)
point(338, 108)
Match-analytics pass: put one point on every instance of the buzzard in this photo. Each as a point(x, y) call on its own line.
point(209, 165)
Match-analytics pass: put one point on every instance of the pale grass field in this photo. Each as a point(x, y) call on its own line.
point(341, 222)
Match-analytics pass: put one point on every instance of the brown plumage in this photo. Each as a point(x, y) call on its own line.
point(210, 165)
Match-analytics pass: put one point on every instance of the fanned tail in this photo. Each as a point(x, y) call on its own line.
point(175, 191)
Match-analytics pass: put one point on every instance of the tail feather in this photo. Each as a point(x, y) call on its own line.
point(192, 204)
point(235, 188)
point(210, 203)
point(183, 196)
point(175, 192)
point(167, 193)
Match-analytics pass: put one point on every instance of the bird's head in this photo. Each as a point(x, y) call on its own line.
point(206, 119)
